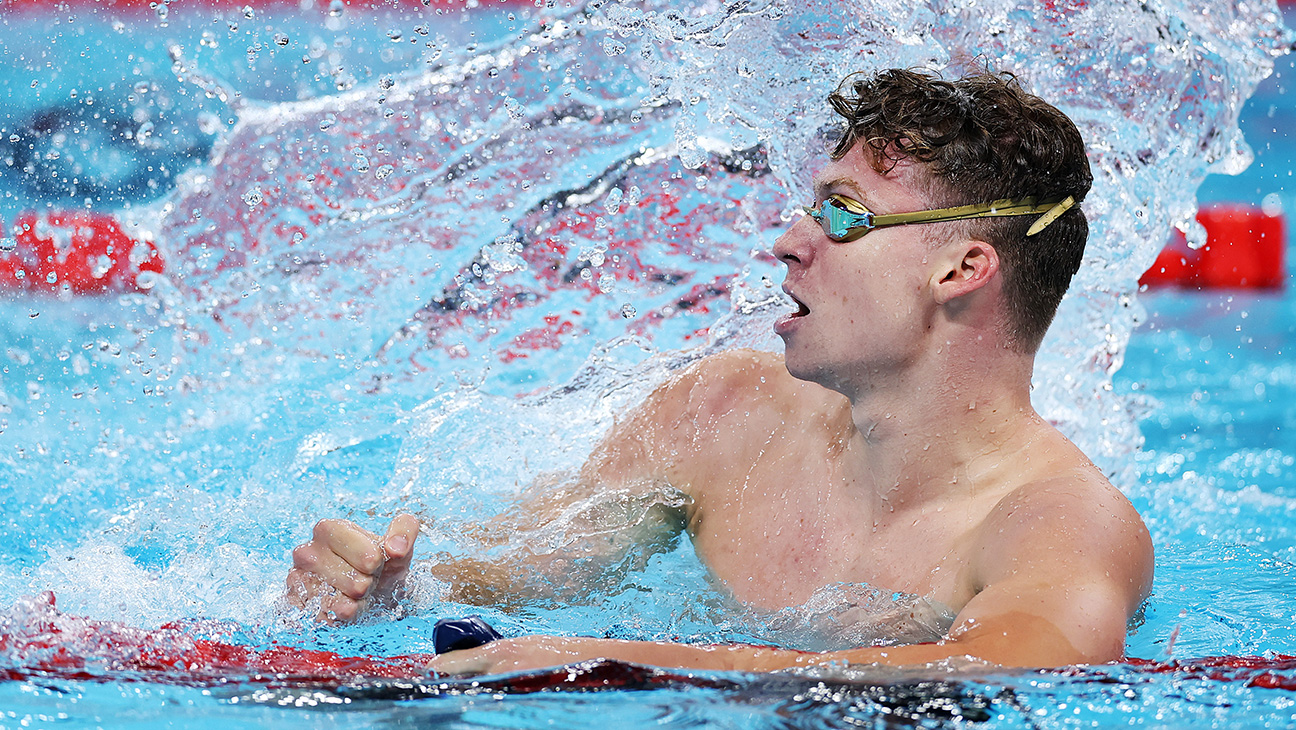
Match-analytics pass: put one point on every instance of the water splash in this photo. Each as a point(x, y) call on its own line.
point(339, 337)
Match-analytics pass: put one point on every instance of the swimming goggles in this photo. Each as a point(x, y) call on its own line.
point(844, 219)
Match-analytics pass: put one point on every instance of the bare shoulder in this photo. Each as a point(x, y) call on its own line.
point(1071, 521)
point(720, 412)
point(741, 384)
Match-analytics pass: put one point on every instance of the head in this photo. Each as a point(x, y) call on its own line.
point(979, 139)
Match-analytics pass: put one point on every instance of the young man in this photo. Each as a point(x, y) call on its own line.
point(893, 444)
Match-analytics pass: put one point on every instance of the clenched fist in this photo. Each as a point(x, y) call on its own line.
point(350, 568)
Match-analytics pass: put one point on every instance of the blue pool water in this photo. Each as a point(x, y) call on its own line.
point(417, 275)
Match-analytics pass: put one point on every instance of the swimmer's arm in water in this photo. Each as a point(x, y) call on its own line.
point(350, 568)
point(1062, 578)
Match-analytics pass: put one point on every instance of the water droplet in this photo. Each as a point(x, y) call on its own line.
point(384, 171)
point(327, 122)
point(253, 197)
point(613, 202)
point(281, 39)
point(248, 12)
point(613, 47)
point(8, 244)
point(51, 277)
point(628, 311)
point(1272, 205)
point(141, 87)
point(336, 7)
point(395, 35)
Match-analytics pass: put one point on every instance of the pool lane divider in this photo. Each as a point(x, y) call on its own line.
point(78, 251)
point(89, 253)
point(39, 642)
point(47, 7)
point(1244, 249)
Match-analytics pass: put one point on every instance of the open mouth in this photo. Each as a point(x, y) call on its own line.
point(801, 309)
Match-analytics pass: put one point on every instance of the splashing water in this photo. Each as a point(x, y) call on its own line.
point(373, 295)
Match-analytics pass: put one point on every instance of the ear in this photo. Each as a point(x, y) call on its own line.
point(963, 268)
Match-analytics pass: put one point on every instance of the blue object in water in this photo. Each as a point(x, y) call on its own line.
point(452, 634)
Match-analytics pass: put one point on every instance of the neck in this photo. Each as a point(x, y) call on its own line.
point(941, 427)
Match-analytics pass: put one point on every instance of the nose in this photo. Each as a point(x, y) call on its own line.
point(794, 246)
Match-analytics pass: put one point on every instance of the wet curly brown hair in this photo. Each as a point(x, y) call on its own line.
point(982, 138)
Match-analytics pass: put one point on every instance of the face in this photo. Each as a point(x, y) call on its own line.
point(864, 304)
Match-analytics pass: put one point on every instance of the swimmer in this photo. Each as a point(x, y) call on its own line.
point(893, 443)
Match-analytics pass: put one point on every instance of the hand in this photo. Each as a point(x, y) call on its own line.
point(349, 568)
point(516, 655)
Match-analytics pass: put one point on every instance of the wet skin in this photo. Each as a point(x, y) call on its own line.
point(893, 444)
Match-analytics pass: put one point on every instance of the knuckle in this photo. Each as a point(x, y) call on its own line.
point(324, 528)
point(341, 608)
point(305, 556)
point(361, 585)
point(369, 562)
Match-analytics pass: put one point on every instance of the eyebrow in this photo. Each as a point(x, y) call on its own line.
point(822, 186)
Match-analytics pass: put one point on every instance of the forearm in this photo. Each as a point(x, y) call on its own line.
point(1037, 645)
point(535, 652)
point(486, 583)
point(746, 658)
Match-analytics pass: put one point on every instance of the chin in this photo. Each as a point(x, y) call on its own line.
point(799, 366)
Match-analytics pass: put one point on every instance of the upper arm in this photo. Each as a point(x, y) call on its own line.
point(1062, 568)
point(685, 427)
point(634, 493)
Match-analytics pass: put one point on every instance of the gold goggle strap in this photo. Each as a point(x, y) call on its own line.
point(1051, 215)
point(994, 209)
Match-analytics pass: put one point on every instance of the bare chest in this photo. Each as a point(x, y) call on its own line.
point(789, 524)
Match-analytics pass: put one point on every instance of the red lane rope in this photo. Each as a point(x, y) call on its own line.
point(36, 640)
point(1244, 249)
point(87, 252)
point(147, 5)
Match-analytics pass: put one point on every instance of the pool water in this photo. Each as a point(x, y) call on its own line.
point(419, 275)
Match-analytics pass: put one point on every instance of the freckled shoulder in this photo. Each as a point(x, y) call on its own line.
point(752, 389)
point(721, 411)
point(1072, 522)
